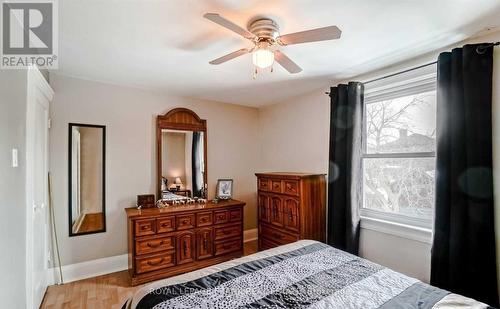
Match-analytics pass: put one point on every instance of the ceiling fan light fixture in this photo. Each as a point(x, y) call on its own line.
point(263, 58)
point(264, 33)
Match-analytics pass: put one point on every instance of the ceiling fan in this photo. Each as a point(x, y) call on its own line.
point(264, 33)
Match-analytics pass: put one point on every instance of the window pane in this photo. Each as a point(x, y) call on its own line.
point(406, 124)
point(401, 186)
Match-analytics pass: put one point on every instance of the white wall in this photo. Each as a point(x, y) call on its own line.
point(12, 189)
point(295, 138)
point(130, 118)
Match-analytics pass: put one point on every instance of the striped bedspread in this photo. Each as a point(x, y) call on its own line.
point(306, 274)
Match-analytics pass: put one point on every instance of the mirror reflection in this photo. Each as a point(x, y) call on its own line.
point(183, 164)
point(86, 179)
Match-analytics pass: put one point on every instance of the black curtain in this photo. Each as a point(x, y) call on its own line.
point(344, 172)
point(463, 251)
point(196, 164)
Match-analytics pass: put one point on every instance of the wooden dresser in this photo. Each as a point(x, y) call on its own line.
point(178, 239)
point(291, 206)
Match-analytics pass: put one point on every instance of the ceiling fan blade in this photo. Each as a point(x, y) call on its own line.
point(216, 18)
point(286, 62)
point(230, 56)
point(314, 35)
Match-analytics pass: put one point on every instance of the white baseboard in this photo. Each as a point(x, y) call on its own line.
point(89, 269)
point(94, 268)
point(250, 235)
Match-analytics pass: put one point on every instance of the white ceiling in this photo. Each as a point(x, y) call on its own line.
point(166, 45)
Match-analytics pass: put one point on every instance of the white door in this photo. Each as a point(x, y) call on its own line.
point(37, 229)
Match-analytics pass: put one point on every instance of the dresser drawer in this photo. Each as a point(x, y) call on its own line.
point(185, 222)
point(264, 184)
point(155, 262)
point(145, 227)
point(276, 236)
point(204, 218)
point(221, 216)
point(235, 215)
point(165, 224)
point(291, 187)
point(276, 186)
point(156, 244)
point(223, 247)
point(227, 232)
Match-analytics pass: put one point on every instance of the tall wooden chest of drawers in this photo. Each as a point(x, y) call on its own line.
point(291, 206)
point(178, 239)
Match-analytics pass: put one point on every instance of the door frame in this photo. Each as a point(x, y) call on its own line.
point(36, 85)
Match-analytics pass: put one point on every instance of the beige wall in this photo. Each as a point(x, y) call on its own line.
point(129, 115)
point(295, 138)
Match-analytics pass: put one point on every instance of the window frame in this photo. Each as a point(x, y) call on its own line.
point(410, 82)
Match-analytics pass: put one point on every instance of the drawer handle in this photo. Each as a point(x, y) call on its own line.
point(165, 224)
point(203, 219)
point(221, 217)
point(156, 263)
point(185, 221)
point(152, 245)
point(145, 227)
point(205, 243)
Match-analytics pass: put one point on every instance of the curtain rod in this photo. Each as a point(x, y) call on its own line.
point(480, 50)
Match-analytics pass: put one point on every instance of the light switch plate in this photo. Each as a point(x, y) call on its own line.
point(15, 162)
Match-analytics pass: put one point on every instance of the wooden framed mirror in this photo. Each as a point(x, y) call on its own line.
point(181, 140)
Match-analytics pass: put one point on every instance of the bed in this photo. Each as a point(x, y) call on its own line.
point(298, 275)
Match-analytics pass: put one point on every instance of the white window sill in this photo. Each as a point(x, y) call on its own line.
point(397, 229)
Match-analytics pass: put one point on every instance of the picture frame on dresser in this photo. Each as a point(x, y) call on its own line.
point(224, 189)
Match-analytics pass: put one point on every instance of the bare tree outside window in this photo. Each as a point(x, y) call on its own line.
point(399, 157)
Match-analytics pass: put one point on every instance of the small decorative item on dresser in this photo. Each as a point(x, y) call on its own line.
point(146, 200)
point(224, 189)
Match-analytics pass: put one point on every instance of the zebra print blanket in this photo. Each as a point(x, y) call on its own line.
point(313, 275)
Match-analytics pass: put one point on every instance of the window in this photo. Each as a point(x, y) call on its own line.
point(399, 144)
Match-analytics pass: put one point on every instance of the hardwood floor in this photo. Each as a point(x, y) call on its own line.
point(92, 222)
point(108, 291)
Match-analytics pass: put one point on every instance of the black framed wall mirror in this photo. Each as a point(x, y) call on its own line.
point(182, 155)
point(87, 179)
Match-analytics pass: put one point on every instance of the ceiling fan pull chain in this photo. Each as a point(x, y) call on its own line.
point(255, 73)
